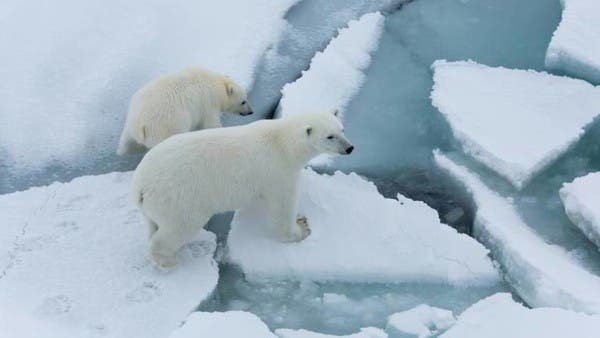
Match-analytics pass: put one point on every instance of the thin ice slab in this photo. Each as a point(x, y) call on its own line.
point(358, 236)
point(516, 122)
point(542, 274)
point(575, 45)
point(581, 199)
point(368, 332)
point(498, 316)
point(336, 74)
point(422, 321)
point(76, 262)
point(231, 324)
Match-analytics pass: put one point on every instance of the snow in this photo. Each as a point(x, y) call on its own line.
point(498, 316)
point(368, 332)
point(75, 65)
point(541, 274)
point(543, 114)
point(358, 236)
point(231, 324)
point(336, 74)
point(422, 321)
point(581, 199)
point(575, 45)
point(73, 259)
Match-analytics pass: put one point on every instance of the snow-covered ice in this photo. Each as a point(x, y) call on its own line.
point(498, 316)
point(231, 324)
point(72, 69)
point(358, 236)
point(542, 274)
point(367, 332)
point(73, 258)
point(421, 321)
point(336, 74)
point(575, 45)
point(542, 114)
point(581, 199)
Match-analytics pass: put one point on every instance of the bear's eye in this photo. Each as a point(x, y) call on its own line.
point(330, 137)
point(243, 103)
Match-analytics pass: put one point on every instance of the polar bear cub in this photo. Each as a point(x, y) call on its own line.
point(190, 100)
point(183, 181)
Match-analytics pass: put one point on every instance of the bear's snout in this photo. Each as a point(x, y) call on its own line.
point(349, 149)
point(247, 113)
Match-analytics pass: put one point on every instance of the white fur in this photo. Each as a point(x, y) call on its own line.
point(190, 100)
point(188, 178)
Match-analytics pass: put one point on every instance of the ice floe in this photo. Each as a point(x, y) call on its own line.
point(575, 45)
point(81, 62)
point(231, 324)
point(358, 236)
point(498, 316)
point(368, 332)
point(421, 321)
point(516, 122)
point(73, 259)
point(581, 199)
point(337, 73)
point(542, 274)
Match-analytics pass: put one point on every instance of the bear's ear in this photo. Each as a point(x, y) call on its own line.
point(336, 112)
point(308, 130)
point(228, 87)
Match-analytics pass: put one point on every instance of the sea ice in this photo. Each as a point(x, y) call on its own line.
point(541, 274)
point(498, 316)
point(422, 321)
point(73, 259)
point(358, 236)
point(575, 46)
point(543, 114)
point(581, 199)
point(75, 65)
point(336, 74)
point(231, 324)
point(368, 332)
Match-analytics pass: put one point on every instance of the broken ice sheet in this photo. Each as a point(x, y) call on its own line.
point(73, 259)
point(575, 45)
point(543, 114)
point(499, 316)
point(405, 242)
point(581, 199)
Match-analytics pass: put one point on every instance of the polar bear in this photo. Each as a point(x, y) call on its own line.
point(183, 181)
point(173, 104)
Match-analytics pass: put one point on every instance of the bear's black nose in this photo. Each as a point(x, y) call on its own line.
point(349, 149)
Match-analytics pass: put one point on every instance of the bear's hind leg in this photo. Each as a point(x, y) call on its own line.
point(165, 243)
point(152, 227)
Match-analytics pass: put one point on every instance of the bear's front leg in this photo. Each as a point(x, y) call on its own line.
point(282, 206)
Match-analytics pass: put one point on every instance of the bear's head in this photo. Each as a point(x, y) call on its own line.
point(325, 134)
point(236, 100)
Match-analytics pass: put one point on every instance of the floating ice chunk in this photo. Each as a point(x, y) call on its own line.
point(358, 236)
point(231, 324)
point(336, 74)
point(78, 262)
point(516, 122)
point(575, 45)
point(542, 274)
point(368, 332)
point(82, 61)
point(422, 321)
point(581, 199)
point(498, 316)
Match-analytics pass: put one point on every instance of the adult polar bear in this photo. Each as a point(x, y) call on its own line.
point(190, 100)
point(183, 181)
